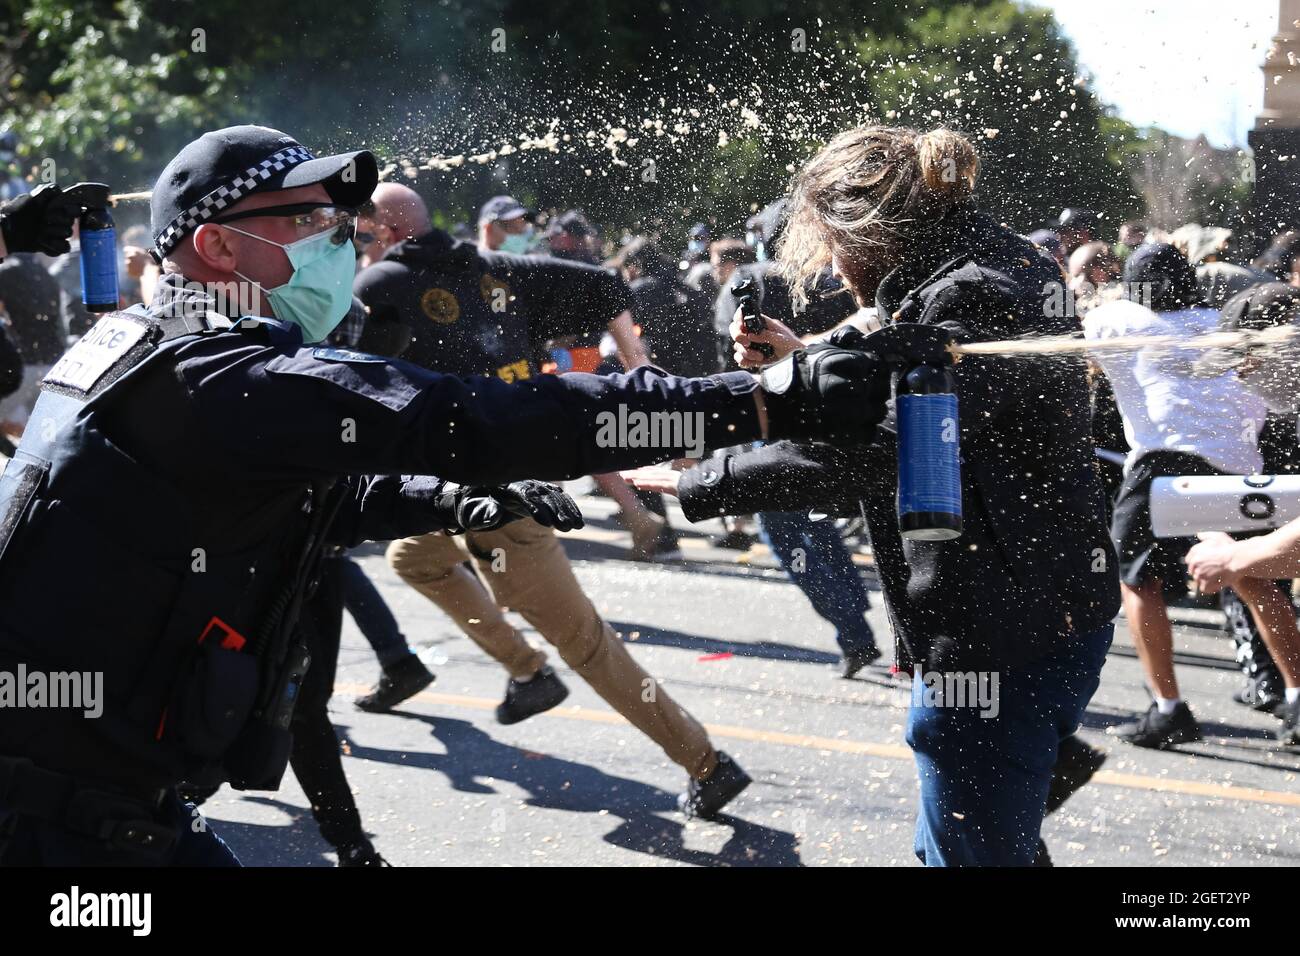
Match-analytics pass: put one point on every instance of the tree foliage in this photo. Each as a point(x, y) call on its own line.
point(649, 115)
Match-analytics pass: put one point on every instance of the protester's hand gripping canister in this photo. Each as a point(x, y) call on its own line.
point(98, 238)
point(929, 463)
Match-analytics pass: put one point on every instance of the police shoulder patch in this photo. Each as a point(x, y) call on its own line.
point(96, 352)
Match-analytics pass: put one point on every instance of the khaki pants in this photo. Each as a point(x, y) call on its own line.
point(536, 580)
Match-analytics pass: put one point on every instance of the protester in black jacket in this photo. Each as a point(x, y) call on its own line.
point(1024, 599)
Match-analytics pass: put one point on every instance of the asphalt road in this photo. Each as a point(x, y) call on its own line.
point(440, 782)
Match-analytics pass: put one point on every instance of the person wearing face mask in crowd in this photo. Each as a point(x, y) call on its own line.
point(1220, 562)
point(200, 451)
point(506, 225)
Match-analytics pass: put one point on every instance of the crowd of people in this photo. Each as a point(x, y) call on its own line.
point(871, 237)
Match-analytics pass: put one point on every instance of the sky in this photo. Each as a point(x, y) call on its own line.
point(1188, 66)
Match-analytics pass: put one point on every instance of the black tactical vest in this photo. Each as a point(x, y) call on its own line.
point(99, 572)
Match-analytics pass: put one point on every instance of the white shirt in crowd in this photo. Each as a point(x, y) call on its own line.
point(1164, 404)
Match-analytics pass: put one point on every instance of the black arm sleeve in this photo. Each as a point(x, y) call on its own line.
point(560, 297)
point(788, 476)
point(381, 507)
point(313, 413)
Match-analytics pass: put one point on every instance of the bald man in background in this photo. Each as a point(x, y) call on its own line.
point(475, 312)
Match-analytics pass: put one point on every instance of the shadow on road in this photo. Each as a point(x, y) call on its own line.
point(297, 843)
point(474, 756)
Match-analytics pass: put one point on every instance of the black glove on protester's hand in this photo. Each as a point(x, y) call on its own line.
point(40, 221)
point(825, 394)
point(485, 509)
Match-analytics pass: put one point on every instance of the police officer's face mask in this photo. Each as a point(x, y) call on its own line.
point(319, 293)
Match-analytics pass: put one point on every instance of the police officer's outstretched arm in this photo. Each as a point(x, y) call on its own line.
point(320, 413)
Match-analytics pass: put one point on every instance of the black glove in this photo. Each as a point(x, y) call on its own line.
point(826, 394)
point(485, 509)
point(40, 221)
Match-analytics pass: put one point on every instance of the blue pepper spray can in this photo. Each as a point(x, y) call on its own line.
point(929, 455)
point(98, 247)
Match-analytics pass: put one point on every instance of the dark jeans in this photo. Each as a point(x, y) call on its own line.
point(371, 614)
point(829, 579)
point(25, 841)
point(984, 780)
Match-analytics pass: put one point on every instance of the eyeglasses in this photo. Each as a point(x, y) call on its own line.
point(309, 219)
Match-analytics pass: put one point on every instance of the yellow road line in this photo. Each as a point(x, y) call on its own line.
point(1131, 781)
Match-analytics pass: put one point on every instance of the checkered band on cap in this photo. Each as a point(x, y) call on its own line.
point(226, 195)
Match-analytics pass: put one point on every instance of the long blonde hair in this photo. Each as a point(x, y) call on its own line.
point(871, 190)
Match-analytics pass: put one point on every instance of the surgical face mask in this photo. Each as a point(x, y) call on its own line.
point(319, 293)
point(520, 243)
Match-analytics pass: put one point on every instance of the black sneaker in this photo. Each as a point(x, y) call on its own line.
point(1076, 762)
point(361, 854)
point(1290, 714)
point(1157, 731)
point(850, 664)
point(399, 681)
point(704, 798)
point(526, 698)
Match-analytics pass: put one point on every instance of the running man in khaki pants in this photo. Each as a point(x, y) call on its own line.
point(533, 577)
point(474, 311)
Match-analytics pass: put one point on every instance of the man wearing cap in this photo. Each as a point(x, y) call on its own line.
point(198, 455)
point(495, 308)
point(506, 225)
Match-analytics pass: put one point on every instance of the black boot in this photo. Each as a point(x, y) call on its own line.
point(362, 853)
point(704, 798)
point(526, 698)
point(399, 681)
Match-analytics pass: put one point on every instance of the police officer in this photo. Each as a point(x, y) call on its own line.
point(195, 454)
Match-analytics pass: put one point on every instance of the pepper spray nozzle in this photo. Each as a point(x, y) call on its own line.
point(89, 195)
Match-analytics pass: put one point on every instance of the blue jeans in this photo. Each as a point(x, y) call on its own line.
point(829, 579)
point(371, 614)
point(984, 780)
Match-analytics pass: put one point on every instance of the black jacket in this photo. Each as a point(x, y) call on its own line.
point(1035, 563)
point(475, 312)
